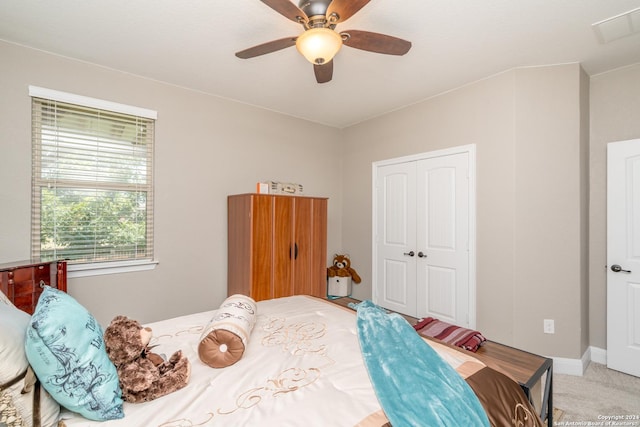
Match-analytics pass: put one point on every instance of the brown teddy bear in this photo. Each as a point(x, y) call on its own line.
point(342, 268)
point(143, 375)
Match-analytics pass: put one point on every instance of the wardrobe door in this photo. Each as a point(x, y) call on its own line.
point(283, 246)
point(260, 255)
point(250, 237)
point(318, 243)
point(303, 250)
point(310, 218)
point(238, 245)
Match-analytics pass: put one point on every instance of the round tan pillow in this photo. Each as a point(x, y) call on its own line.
point(220, 348)
point(223, 341)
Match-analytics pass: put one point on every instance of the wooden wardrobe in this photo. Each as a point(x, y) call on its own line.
point(277, 246)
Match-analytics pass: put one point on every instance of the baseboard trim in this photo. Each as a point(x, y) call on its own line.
point(598, 355)
point(577, 367)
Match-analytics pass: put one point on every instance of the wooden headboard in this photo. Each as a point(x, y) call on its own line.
point(23, 281)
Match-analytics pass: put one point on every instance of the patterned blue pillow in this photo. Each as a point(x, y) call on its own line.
point(65, 348)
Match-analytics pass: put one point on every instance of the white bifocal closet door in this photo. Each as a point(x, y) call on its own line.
point(396, 242)
point(422, 237)
point(442, 238)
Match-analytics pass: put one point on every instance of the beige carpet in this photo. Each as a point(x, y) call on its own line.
point(599, 393)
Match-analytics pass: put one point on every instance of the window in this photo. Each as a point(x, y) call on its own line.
point(92, 180)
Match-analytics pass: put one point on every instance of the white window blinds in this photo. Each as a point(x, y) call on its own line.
point(92, 182)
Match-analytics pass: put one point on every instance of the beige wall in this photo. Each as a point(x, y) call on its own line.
point(526, 125)
point(206, 148)
point(615, 116)
point(550, 210)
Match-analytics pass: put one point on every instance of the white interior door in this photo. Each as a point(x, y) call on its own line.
point(423, 240)
point(395, 265)
point(623, 256)
point(443, 238)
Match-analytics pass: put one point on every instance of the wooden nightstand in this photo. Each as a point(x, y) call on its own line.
point(23, 281)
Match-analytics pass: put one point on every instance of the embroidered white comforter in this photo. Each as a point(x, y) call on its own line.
point(302, 367)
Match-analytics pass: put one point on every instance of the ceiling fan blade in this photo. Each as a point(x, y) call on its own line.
point(267, 47)
point(324, 72)
point(287, 9)
point(345, 9)
point(374, 42)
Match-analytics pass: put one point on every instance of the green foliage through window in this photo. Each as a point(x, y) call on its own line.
point(96, 225)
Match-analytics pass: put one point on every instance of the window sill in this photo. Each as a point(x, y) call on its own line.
point(99, 269)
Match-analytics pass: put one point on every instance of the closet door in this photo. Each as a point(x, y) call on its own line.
point(443, 238)
point(422, 241)
point(396, 238)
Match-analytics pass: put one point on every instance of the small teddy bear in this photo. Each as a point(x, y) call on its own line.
point(143, 375)
point(342, 268)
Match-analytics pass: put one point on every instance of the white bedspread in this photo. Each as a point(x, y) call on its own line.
point(302, 367)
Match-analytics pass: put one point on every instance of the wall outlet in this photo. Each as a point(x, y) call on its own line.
point(549, 326)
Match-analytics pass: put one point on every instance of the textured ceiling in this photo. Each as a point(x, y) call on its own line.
point(191, 43)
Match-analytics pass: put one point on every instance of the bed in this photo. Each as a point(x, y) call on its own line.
point(302, 366)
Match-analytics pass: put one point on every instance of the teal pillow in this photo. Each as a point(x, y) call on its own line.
point(65, 348)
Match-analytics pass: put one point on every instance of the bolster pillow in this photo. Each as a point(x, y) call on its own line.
point(223, 340)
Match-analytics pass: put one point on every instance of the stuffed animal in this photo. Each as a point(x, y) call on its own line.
point(143, 375)
point(342, 268)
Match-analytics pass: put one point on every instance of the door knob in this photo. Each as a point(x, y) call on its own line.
point(422, 254)
point(410, 253)
point(617, 269)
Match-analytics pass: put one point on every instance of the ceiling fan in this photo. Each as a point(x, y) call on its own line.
point(320, 42)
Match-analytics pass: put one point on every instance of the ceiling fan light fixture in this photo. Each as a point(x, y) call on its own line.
point(319, 45)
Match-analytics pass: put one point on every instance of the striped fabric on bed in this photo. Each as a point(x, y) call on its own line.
point(455, 335)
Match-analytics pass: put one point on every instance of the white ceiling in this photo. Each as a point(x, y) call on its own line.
point(191, 43)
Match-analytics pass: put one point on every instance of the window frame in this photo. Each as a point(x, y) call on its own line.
point(108, 266)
